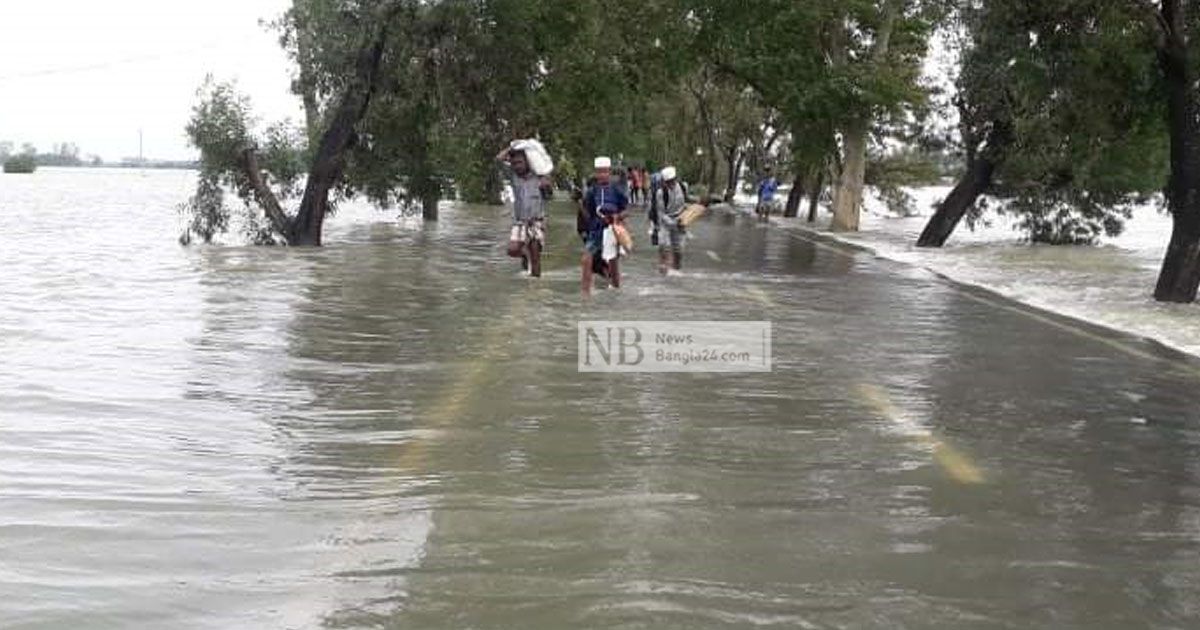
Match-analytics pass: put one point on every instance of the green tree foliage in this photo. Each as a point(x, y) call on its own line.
point(841, 74)
point(1070, 111)
point(222, 129)
point(457, 81)
point(62, 154)
point(1064, 97)
point(345, 45)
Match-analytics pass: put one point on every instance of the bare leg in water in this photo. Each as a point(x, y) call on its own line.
point(535, 258)
point(586, 279)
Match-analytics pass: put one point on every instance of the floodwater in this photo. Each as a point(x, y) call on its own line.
point(1111, 284)
point(390, 432)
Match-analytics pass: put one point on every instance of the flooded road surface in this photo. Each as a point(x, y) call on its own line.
point(1111, 284)
point(391, 432)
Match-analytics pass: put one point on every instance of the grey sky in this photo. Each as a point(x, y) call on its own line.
point(95, 72)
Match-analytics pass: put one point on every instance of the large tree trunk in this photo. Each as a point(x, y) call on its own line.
point(981, 166)
point(795, 196)
point(429, 208)
point(493, 185)
point(263, 195)
point(814, 196)
point(709, 166)
point(954, 207)
point(734, 160)
point(329, 163)
point(1180, 276)
point(493, 180)
point(848, 196)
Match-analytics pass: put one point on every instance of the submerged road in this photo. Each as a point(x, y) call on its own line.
point(391, 433)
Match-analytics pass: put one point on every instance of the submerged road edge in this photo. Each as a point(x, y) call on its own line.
point(1134, 344)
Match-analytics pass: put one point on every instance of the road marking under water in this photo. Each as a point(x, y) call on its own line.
point(760, 296)
point(461, 394)
point(955, 464)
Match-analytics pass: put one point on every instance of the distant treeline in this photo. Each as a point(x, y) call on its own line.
point(161, 164)
point(64, 154)
point(68, 154)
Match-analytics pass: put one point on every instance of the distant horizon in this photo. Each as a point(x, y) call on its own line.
point(87, 158)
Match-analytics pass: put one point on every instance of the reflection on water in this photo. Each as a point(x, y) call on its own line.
point(390, 432)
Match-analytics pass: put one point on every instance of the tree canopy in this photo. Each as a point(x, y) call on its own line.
point(1069, 111)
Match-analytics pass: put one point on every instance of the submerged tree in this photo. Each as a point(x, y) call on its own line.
point(406, 101)
point(1175, 31)
point(839, 73)
point(261, 170)
point(1073, 111)
point(1059, 119)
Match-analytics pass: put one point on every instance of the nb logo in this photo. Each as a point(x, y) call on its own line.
point(601, 345)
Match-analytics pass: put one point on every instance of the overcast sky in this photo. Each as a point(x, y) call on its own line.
point(94, 72)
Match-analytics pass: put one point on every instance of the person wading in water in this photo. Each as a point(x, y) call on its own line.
point(766, 194)
point(603, 206)
point(527, 238)
point(670, 199)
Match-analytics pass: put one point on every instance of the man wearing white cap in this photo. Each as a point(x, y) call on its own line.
point(670, 200)
point(603, 206)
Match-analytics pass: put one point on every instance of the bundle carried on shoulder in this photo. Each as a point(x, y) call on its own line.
point(691, 214)
point(624, 238)
point(539, 159)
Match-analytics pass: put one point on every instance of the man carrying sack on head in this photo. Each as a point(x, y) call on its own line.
point(529, 169)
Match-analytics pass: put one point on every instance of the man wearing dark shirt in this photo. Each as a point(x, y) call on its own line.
point(602, 206)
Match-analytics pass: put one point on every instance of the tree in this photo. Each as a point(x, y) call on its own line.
point(1175, 30)
point(849, 61)
point(443, 85)
point(23, 164)
point(232, 154)
point(837, 72)
point(1058, 118)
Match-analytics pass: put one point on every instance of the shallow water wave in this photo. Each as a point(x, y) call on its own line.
point(391, 432)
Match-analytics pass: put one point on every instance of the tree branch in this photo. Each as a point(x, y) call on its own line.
point(1152, 16)
point(329, 162)
point(883, 39)
point(263, 194)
